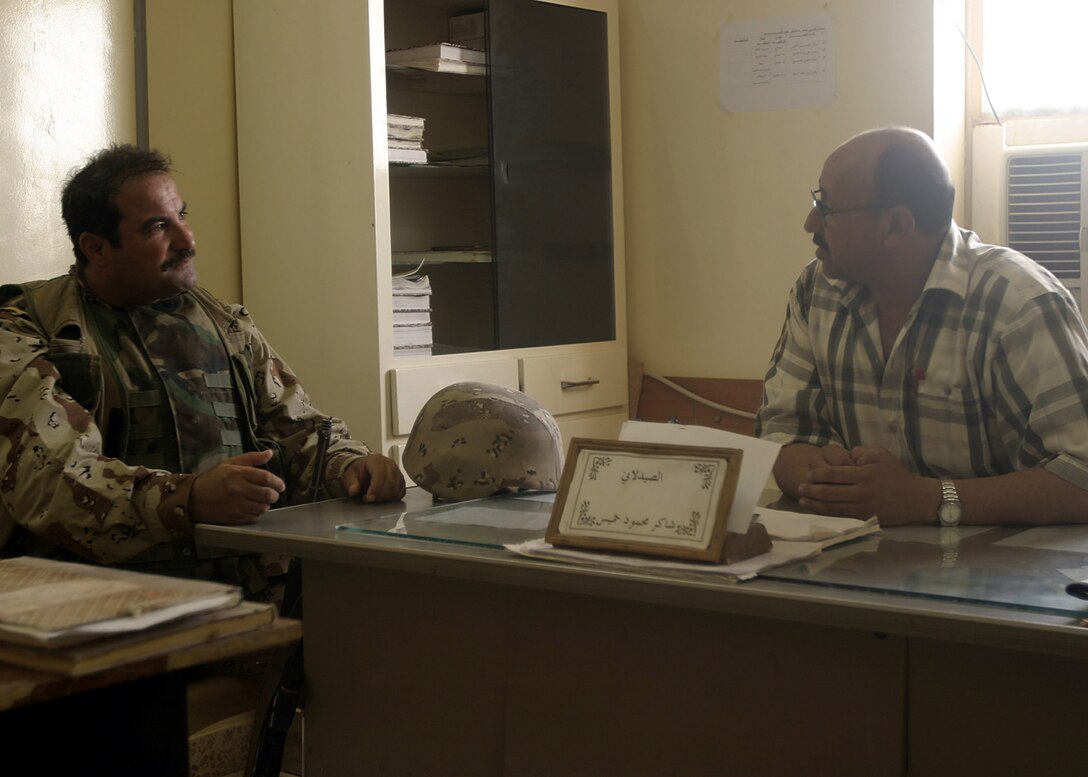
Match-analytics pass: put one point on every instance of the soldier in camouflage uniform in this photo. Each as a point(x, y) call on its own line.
point(135, 404)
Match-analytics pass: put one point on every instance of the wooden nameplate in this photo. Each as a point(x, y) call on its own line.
point(652, 499)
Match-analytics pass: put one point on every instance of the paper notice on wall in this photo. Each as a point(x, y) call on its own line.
point(778, 63)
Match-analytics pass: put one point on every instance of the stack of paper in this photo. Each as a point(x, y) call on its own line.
point(406, 139)
point(440, 58)
point(77, 618)
point(412, 334)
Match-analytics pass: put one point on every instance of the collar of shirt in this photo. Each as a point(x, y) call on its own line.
point(949, 271)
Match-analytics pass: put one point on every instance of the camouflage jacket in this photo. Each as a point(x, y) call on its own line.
point(63, 476)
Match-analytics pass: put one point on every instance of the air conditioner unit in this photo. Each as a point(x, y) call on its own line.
point(1044, 210)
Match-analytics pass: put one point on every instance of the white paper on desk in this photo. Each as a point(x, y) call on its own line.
point(781, 553)
point(755, 468)
point(820, 529)
point(1068, 538)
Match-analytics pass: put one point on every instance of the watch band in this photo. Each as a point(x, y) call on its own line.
point(949, 511)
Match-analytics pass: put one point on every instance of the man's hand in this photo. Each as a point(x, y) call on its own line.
point(835, 456)
point(796, 460)
point(235, 491)
point(874, 482)
point(375, 478)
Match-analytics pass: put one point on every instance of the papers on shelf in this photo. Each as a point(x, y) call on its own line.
point(400, 134)
point(406, 317)
point(411, 336)
point(450, 51)
point(795, 536)
point(407, 156)
point(412, 333)
point(406, 139)
point(440, 58)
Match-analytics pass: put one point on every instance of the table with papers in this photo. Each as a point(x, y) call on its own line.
point(92, 662)
point(431, 647)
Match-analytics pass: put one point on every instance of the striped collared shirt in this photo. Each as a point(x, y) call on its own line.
point(988, 375)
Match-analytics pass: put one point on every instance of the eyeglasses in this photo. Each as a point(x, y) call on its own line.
point(826, 210)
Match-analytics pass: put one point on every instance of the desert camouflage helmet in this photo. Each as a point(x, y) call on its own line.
point(472, 440)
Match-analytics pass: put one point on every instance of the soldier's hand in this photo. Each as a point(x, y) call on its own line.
point(376, 478)
point(235, 491)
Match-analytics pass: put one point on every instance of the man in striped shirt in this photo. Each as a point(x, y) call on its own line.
point(919, 369)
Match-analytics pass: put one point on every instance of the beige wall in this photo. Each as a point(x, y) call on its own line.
point(715, 201)
point(190, 73)
point(68, 88)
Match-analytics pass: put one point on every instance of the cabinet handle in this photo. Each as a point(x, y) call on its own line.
point(569, 384)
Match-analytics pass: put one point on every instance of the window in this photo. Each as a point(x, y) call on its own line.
point(1034, 57)
point(1029, 143)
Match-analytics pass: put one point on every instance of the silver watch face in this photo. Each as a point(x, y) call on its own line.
point(949, 513)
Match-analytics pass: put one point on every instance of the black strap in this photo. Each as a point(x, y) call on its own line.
point(288, 696)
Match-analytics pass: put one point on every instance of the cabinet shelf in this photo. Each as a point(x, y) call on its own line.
point(400, 170)
point(412, 79)
point(430, 258)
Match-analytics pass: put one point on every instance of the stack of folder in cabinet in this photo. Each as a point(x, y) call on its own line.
point(406, 139)
point(411, 315)
point(440, 58)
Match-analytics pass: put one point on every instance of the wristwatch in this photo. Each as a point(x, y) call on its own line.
point(949, 511)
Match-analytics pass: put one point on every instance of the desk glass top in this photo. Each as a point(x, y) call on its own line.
point(1025, 569)
point(1007, 567)
point(490, 523)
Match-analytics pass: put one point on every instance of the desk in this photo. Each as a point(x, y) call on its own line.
point(122, 722)
point(439, 658)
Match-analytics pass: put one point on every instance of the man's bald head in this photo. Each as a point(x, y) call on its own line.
point(904, 168)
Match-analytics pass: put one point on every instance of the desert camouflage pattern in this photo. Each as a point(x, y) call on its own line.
point(105, 414)
point(472, 440)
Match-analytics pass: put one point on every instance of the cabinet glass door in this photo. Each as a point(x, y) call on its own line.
point(551, 174)
point(440, 204)
point(507, 199)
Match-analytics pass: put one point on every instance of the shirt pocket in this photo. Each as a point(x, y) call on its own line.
point(949, 428)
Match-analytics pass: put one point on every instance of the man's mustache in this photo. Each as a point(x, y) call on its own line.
point(179, 257)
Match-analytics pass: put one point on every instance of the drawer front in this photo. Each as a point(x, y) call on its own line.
point(411, 387)
point(597, 427)
point(577, 382)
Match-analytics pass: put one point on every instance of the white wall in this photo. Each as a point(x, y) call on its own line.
point(68, 86)
point(715, 201)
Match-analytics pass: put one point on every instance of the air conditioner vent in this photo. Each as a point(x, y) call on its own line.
point(1044, 210)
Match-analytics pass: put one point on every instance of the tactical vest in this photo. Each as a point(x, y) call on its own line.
point(90, 374)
